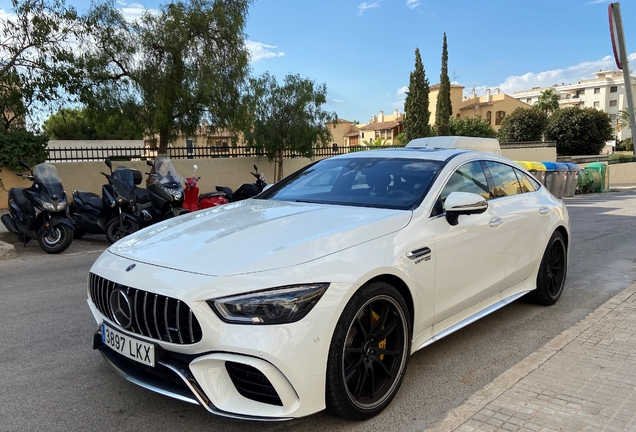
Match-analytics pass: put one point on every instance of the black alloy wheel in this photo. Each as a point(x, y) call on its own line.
point(368, 353)
point(116, 230)
point(552, 272)
point(55, 239)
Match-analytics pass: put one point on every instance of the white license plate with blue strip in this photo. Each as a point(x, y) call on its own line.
point(129, 347)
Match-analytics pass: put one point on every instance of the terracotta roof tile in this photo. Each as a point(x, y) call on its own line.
point(436, 86)
point(382, 126)
point(352, 133)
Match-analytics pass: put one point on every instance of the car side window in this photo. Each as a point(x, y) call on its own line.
point(505, 182)
point(469, 177)
point(527, 184)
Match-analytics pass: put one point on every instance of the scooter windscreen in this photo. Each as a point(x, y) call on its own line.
point(122, 179)
point(47, 180)
point(166, 172)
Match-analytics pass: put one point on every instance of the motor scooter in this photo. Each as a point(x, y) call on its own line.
point(193, 201)
point(245, 191)
point(40, 211)
point(112, 213)
point(163, 196)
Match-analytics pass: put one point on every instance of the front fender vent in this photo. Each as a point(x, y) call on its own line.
point(153, 316)
point(252, 383)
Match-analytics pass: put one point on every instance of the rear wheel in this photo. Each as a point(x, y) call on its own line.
point(56, 239)
point(116, 230)
point(369, 352)
point(552, 272)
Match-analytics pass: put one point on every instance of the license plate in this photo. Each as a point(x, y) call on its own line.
point(134, 349)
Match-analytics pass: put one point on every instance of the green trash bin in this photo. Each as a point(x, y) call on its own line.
point(602, 170)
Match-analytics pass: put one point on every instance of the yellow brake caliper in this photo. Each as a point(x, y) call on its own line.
point(382, 343)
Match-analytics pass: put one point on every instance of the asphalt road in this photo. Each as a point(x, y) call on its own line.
point(52, 380)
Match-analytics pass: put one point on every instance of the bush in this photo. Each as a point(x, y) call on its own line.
point(621, 158)
point(19, 145)
point(471, 127)
point(579, 131)
point(523, 124)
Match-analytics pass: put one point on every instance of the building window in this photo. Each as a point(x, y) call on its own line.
point(499, 115)
point(613, 103)
point(597, 104)
point(362, 135)
point(529, 100)
point(613, 89)
point(582, 104)
point(377, 134)
point(613, 118)
point(489, 117)
point(457, 116)
point(597, 90)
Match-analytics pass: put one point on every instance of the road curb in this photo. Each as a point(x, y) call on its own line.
point(7, 251)
point(471, 406)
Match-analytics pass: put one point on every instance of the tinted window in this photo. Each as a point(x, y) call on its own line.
point(370, 182)
point(527, 184)
point(469, 177)
point(504, 179)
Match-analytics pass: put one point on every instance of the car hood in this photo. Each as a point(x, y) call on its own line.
point(257, 235)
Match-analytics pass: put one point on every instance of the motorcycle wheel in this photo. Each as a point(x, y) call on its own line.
point(116, 230)
point(57, 239)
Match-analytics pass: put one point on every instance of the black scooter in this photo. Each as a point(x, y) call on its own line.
point(39, 212)
point(110, 214)
point(244, 191)
point(164, 194)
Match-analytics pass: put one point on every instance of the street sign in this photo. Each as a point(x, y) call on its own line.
point(616, 40)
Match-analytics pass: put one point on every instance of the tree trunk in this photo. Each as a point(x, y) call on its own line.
point(163, 141)
point(279, 162)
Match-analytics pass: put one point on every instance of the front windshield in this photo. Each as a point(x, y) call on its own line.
point(166, 173)
point(123, 177)
point(395, 183)
point(47, 179)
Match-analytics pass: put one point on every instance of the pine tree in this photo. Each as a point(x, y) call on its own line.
point(443, 108)
point(417, 115)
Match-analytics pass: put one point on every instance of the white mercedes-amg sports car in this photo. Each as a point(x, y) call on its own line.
point(314, 294)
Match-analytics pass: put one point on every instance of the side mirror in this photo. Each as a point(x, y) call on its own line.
point(463, 203)
point(255, 168)
point(24, 164)
point(195, 167)
point(108, 163)
point(149, 163)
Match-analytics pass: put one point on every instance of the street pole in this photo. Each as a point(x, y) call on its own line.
point(618, 38)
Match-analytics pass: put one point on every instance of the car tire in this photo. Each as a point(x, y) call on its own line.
point(552, 272)
point(369, 353)
point(56, 239)
point(115, 230)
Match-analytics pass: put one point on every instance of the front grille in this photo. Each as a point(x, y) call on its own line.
point(252, 384)
point(154, 316)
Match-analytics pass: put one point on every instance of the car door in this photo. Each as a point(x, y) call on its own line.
point(523, 213)
point(469, 257)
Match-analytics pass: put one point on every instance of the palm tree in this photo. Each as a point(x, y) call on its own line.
point(548, 101)
point(623, 118)
point(379, 142)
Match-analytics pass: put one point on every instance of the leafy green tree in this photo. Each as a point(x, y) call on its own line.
point(471, 127)
point(443, 107)
point(20, 144)
point(579, 131)
point(400, 139)
point(523, 124)
point(185, 64)
point(37, 61)
point(288, 117)
point(548, 102)
point(417, 114)
point(87, 124)
point(623, 118)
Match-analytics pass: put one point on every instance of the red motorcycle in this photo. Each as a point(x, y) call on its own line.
point(194, 202)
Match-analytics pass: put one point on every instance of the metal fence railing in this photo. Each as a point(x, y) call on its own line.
point(94, 154)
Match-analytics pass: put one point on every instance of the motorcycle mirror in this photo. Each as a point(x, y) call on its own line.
point(255, 168)
point(195, 170)
point(25, 165)
point(108, 163)
point(149, 163)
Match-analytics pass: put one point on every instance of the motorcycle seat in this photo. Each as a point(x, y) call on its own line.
point(89, 198)
point(21, 201)
point(210, 195)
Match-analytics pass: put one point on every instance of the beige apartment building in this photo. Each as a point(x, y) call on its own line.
point(491, 107)
point(606, 91)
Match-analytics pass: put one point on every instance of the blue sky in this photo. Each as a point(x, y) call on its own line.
point(364, 51)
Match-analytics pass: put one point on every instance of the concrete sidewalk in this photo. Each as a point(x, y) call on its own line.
point(582, 380)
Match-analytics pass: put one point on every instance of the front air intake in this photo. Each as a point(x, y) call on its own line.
point(252, 384)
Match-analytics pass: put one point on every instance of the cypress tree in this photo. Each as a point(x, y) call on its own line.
point(416, 121)
point(443, 108)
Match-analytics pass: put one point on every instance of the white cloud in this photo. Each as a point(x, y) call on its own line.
point(548, 78)
point(259, 51)
point(336, 101)
point(132, 11)
point(402, 91)
point(362, 7)
point(599, 1)
point(412, 4)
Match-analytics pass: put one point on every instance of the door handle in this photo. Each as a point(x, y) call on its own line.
point(544, 210)
point(495, 222)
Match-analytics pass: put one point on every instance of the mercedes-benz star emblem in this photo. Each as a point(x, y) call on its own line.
point(130, 267)
point(120, 308)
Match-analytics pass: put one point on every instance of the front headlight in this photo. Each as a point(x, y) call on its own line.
point(48, 206)
point(61, 206)
point(273, 306)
